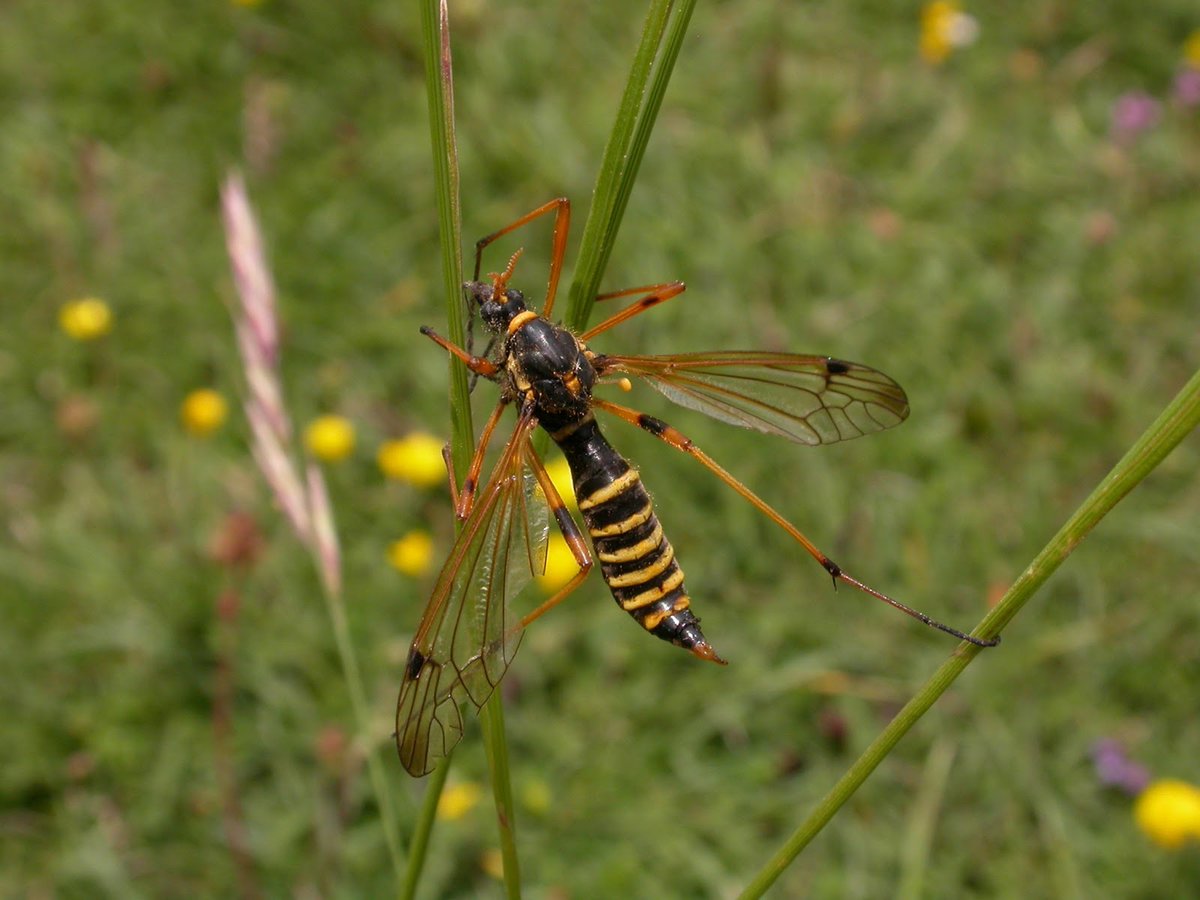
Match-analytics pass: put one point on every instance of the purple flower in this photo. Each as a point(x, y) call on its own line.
point(1115, 769)
point(1133, 113)
point(1187, 87)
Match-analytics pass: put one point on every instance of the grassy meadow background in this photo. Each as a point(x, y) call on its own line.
point(975, 229)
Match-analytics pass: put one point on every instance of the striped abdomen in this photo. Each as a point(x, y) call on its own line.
point(636, 559)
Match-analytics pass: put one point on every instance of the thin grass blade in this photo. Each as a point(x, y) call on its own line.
point(439, 81)
point(418, 847)
point(439, 84)
point(647, 119)
point(1179, 419)
point(604, 215)
point(492, 717)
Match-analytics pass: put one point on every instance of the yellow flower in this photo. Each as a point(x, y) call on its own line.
point(1168, 811)
point(560, 565)
point(412, 554)
point(560, 474)
point(330, 438)
point(86, 319)
point(203, 411)
point(492, 863)
point(416, 459)
point(1191, 49)
point(944, 26)
point(457, 800)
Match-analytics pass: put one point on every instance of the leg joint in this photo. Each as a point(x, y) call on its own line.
point(656, 427)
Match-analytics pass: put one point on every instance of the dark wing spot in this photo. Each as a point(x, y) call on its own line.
point(416, 662)
point(837, 366)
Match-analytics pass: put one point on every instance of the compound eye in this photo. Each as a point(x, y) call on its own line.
point(490, 311)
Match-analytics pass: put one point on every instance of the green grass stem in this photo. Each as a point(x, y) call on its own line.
point(646, 120)
point(439, 79)
point(496, 747)
point(617, 165)
point(1172, 426)
point(439, 86)
point(336, 605)
point(418, 848)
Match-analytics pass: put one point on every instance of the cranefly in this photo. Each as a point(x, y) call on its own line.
point(466, 638)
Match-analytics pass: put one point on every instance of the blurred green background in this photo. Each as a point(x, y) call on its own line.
point(975, 229)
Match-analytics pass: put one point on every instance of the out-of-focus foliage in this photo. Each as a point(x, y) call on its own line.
point(982, 230)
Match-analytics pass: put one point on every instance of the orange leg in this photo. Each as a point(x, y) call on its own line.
point(679, 441)
point(463, 501)
point(476, 364)
point(654, 295)
point(558, 248)
point(570, 531)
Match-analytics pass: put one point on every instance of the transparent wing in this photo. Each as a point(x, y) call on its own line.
point(807, 399)
point(466, 638)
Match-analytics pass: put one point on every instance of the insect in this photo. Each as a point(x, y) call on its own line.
point(466, 638)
